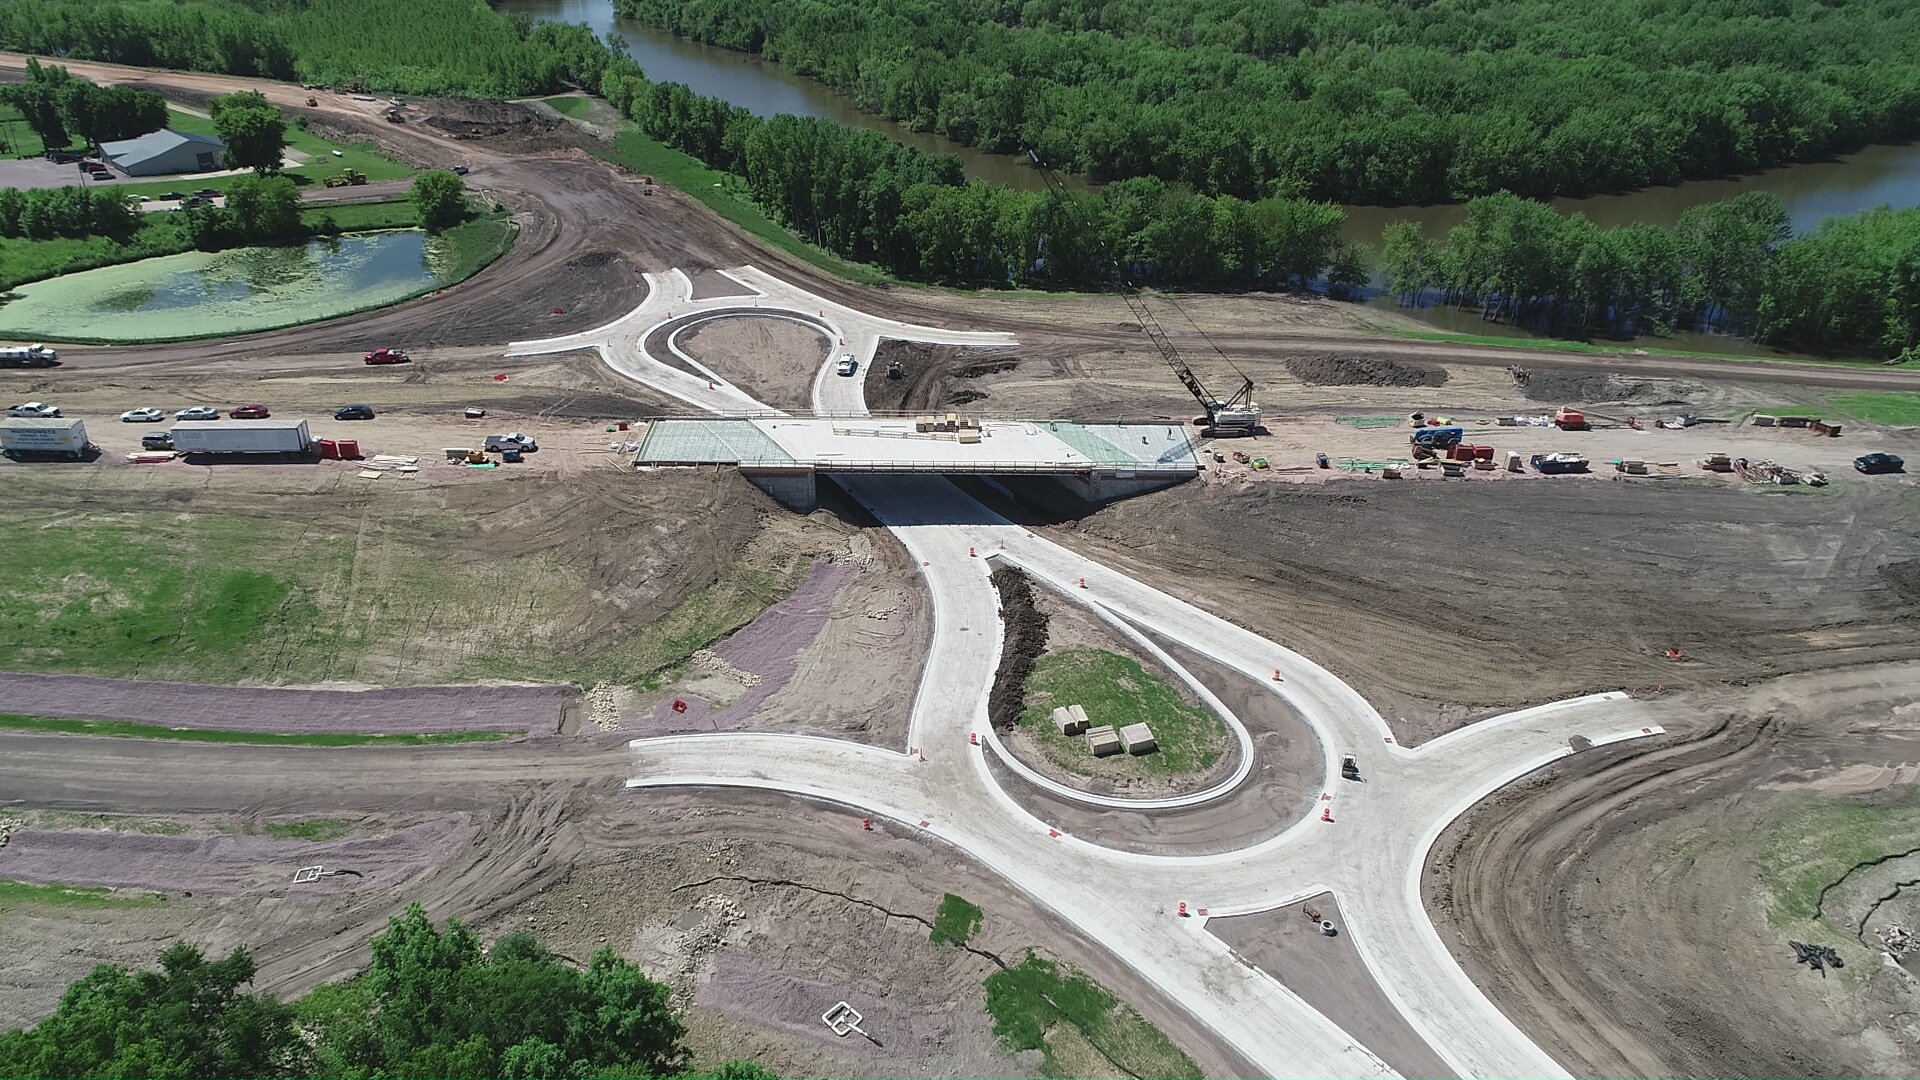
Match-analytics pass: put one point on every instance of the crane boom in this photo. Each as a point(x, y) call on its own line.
point(1237, 415)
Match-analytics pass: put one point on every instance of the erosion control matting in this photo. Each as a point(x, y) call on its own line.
point(410, 710)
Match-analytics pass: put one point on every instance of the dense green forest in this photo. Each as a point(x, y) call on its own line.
point(1359, 101)
point(404, 46)
point(435, 1004)
point(863, 196)
point(1852, 286)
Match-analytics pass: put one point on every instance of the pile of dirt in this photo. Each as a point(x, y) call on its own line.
point(1601, 388)
point(1445, 602)
point(927, 374)
point(1332, 369)
point(504, 126)
point(1025, 639)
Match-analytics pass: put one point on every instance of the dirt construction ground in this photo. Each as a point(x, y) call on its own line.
point(1629, 909)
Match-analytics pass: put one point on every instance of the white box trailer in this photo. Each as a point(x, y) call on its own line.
point(241, 437)
point(25, 436)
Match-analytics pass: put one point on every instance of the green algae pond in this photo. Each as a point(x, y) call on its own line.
point(239, 291)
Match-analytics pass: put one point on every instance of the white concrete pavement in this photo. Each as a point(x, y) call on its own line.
point(1370, 854)
point(622, 344)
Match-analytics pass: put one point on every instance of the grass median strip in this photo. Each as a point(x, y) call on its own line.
point(122, 730)
point(19, 892)
point(1116, 690)
point(1074, 1022)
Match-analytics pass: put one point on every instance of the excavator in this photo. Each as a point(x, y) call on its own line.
point(1235, 415)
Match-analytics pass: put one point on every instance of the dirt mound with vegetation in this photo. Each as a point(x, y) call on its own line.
point(504, 126)
point(1331, 369)
point(1026, 639)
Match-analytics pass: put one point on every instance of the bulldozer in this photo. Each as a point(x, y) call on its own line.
point(350, 178)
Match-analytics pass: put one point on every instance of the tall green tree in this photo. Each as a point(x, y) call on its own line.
point(39, 100)
point(189, 1019)
point(254, 131)
point(264, 209)
point(441, 198)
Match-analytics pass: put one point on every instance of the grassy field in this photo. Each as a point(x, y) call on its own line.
point(316, 830)
point(18, 893)
point(21, 141)
point(197, 592)
point(725, 196)
point(1555, 345)
point(120, 730)
point(1892, 409)
point(570, 105)
point(1075, 1023)
point(1820, 840)
point(956, 921)
point(22, 261)
point(470, 247)
point(1116, 690)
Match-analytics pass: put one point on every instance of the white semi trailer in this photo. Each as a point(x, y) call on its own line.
point(241, 437)
point(33, 436)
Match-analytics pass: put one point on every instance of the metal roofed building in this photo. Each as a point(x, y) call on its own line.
point(166, 152)
point(784, 455)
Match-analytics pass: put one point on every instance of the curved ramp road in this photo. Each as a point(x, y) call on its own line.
point(623, 342)
point(1366, 842)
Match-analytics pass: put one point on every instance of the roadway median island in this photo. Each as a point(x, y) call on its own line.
point(1118, 691)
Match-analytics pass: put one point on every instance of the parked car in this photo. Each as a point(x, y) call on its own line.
point(143, 416)
point(34, 408)
point(208, 193)
point(157, 440)
point(459, 170)
point(1879, 463)
point(198, 412)
point(249, 412)
point(171, 196)
point(387, 356)
point(848, 365)
point(353, 412)
point(473, 412)
point(512, 441)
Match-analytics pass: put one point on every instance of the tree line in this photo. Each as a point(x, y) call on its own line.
point(396, 46)
point(58, 106)
point(1358, 101)
point(869, 198)
point(434, 1004)
point(67, 212)
point(1851, 286)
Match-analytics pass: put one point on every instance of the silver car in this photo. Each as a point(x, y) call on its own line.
point(34, 408)
point(143, 416)
point(198, 412)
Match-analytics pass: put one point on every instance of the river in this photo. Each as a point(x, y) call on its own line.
point(1875, 176)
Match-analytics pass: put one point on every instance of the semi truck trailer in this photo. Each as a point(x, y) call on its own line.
point(242, 437)
point(41, 437)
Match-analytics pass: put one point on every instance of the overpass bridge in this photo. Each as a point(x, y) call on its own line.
point(785, 455)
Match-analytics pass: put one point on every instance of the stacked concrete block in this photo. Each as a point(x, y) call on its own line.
point(1138, 739)
point(1068, 723)
point(1103, 740)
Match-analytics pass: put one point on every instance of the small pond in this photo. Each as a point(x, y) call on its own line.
point(203, 294)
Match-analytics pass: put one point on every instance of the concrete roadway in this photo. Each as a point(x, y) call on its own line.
point(623, 342)
point(1370, 854)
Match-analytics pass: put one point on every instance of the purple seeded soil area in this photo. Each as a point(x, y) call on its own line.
point(769, 647)
point(407, 711)
point(224, 864)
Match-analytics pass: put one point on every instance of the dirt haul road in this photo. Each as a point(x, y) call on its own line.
point(559, 846)
point(588, 230)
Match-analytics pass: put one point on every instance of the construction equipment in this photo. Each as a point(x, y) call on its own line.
point(1349, 768)
point(1557, 464)
point(350, 178)
point(1238, 414)
point(312, 102)
point(894, 370)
